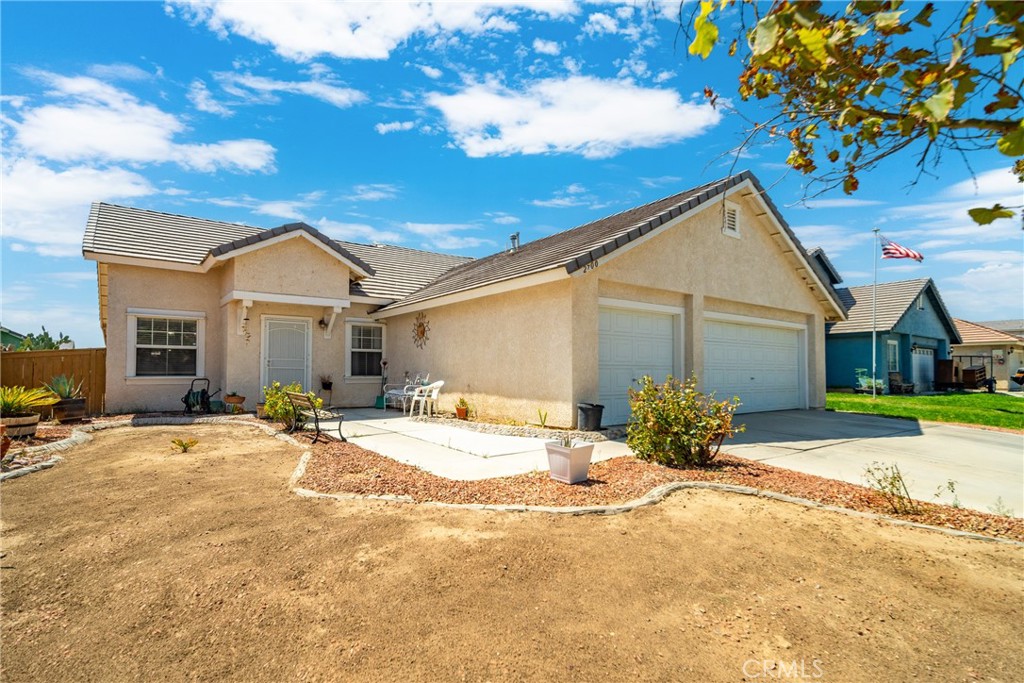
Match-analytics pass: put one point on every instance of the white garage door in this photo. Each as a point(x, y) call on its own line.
point(924, 369)
point(631, 344)
point(759, 364)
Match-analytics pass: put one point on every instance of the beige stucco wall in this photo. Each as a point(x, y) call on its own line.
point(291, 266)
point(513, 353)
point(233, 360)
point(1013, 358)
point(149, 288)
point(508, 354)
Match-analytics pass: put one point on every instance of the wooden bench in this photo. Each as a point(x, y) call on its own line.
point(304, 408)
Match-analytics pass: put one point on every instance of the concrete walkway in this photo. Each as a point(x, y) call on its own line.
point(452, 452)
point(986, 465)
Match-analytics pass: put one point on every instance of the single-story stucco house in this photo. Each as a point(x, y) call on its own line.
point(913, 331)
point(1001, 353)
point(710, 281)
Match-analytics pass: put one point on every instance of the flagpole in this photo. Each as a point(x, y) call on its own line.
point(874, 313)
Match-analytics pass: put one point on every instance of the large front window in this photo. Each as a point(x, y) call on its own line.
point(166, 347)
point(366, 350)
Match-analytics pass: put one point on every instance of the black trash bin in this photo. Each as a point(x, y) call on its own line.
point(589, 419)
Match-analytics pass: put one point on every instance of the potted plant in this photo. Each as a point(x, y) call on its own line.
point(462, 408)
point(71, 405)
point(569, 461)
point(326, 383)
point(18, 409)
point(235, 400)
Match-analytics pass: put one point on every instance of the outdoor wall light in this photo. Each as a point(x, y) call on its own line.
point(322, 324)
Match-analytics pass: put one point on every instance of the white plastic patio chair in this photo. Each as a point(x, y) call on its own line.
point(426, 396)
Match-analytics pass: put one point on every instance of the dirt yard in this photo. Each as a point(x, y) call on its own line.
point(131, 561)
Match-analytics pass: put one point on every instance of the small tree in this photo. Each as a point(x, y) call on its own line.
point(43, 341)
point(674, 424)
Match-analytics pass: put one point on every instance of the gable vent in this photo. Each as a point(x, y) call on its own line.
point(731, 226)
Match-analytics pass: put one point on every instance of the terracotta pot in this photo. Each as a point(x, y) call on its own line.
point(69, 409)
point(461, 413)
point(21, 425)
point(234, 400)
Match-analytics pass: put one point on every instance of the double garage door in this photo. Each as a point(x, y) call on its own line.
point(760, 364)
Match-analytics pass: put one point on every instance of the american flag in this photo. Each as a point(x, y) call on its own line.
point(892, 250)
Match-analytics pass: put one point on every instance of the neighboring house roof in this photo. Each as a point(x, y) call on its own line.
point(12, 333)
point(820, 258)
point(977, 334)
point(122, 231)
point(1015, 327)
point(574, 249)
point(894, 299)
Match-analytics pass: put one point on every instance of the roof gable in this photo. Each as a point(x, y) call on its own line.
point(266, 238)
point(573, 250)
point(976, 333)
point(893, 300)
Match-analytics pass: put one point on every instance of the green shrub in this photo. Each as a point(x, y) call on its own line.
point(279, 408)
point(22, 401)
point(65, 387)
point(674, 424)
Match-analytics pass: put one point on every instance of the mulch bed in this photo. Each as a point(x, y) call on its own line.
point(346, 468)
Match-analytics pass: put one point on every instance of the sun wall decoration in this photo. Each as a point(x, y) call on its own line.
point(420, 328)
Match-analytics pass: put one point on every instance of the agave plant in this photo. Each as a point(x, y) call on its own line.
point(21, 401)
point(64, 387)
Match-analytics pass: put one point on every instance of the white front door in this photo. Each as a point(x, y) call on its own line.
point(286, 352)
point(758, 363)
point(631, 344)
point(924, 369)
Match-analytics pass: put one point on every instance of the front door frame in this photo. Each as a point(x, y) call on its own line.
point(265, 338)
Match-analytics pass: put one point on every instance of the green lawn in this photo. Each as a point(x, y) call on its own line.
point(993, 410)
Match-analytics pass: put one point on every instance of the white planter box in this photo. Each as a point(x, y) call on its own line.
point(569, 465)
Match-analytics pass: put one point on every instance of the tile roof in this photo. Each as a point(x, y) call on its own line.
point(820, 258)
point(894, 299)
point(574, 249)
point(974, 333)
point(264, 235)
point(123, 231)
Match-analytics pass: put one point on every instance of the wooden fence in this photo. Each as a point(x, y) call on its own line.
point(32, 368)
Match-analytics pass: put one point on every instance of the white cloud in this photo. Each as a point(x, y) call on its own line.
point(301, 30)
point(448, 235)
point(837, 203)
point(118, 72)
point(47, 209)
point(582, 115)
point(987, 256)
point(660, 181)
point(356, 232)
point(834, 239)
point(251, 89)
point(991, 291)
point(998, 182)
point(569, 196)
point(202, 99)
point(372, 192)
point(663, 76)
point(288, 210)
point(600, 23)
point(546, 47)
point(502, 218)
point(97, 122)
point(385, 128)
point(430, 71)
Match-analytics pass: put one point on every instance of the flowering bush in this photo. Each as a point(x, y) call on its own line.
point(279, 408)
point(674, 424)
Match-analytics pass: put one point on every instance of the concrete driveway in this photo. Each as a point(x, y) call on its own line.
point(986, 465)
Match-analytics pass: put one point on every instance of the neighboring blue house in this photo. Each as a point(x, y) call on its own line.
point(913, 329)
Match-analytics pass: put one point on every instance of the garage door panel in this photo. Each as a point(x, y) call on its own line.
point(631, 344)
point(757, 363)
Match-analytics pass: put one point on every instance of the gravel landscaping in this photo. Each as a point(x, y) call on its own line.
point(346, 468)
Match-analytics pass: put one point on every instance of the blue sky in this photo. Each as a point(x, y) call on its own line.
point(443, 127)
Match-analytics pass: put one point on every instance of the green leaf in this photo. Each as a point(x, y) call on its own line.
point(833, 156)
point(939, 105)
point(994, 45)
point(1012, 144)
point(983, 216)
point(924, 16)
point(705, 32)
point(766, 33)
point(888, 21)
point(956, 54)
point(813, 41)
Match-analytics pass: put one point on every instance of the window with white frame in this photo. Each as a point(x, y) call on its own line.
point(731, 226)
point(892, 356)
point(162, 344)
point(365, 349)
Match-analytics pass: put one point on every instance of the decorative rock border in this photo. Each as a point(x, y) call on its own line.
point(656, 495)
point(524, 430)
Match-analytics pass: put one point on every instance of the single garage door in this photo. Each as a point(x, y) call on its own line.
point(759, 364)
point(631, 344)
point(924, 369)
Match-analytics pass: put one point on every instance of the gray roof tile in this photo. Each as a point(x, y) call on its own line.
point(893, 301)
